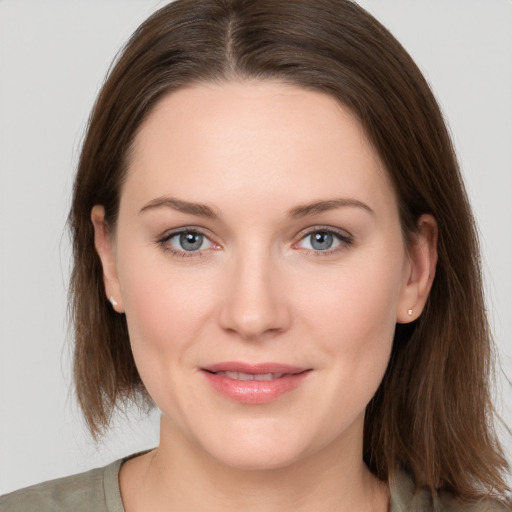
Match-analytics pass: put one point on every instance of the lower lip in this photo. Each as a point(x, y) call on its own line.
point(254, 391)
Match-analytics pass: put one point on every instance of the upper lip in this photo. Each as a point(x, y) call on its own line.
point(258, 368)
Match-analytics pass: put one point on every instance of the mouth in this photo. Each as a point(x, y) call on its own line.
point(253, 376)
point(254, 384)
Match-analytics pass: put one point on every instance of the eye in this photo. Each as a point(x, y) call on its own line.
point(188, 241)
point(324, 240)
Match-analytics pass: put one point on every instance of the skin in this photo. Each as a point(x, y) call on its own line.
point(258, 290)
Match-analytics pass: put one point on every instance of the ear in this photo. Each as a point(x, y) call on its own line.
point(105, 249)
point(420, 272)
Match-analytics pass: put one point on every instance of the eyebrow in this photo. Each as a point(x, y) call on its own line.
point(199, 209)
point(203, 210)
point(323, 206)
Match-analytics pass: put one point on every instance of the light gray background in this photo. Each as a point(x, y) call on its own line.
point(53, 57)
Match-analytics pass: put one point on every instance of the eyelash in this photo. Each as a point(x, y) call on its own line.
point(345, 241)
point(163, 242)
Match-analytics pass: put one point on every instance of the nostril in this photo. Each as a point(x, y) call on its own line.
point(251, 306)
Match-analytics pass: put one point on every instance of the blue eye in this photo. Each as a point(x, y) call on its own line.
point(191, 241)
point(324, 240)
point(321, 241)
point(187, 242)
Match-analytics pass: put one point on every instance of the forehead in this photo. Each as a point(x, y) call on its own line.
point(219, 140)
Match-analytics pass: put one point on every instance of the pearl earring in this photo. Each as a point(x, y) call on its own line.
point(113, 302)
point(409, 312)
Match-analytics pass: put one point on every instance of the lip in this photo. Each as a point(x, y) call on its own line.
point(255, 392)
point(241, 367)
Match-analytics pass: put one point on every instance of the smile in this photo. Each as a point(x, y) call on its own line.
point(254, 384)
point(253, 376)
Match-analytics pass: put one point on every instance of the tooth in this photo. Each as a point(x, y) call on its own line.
point(265, 376)
point(245, 376)
point(251, 376)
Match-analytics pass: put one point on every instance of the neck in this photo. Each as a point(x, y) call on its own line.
point(184, 477)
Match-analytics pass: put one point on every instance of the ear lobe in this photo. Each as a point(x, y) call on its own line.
point(104, 247)
point(422, 268)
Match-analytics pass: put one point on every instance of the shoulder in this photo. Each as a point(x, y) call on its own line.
point(405, 498)
point(96, 490)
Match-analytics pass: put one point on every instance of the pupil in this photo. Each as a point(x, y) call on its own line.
point(321, 241)
point(191, 241)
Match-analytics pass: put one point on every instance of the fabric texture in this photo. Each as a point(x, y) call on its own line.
point(98, 491)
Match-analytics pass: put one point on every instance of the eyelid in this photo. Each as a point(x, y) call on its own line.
point(168, 235)
point(344, 237)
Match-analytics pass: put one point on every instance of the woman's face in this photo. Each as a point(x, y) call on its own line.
point(259, 260)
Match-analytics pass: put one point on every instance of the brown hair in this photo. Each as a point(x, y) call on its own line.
point(432, 413)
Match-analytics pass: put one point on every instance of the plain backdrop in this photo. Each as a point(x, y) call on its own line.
point(53, 58)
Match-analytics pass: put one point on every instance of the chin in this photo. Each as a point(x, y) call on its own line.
point(259, 449)
point(258, 459)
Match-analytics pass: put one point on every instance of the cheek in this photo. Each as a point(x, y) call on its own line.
point(165, 312)
point(354, 329)
point(166, 315)
point(353, 313)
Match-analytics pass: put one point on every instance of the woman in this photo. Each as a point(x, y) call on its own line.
point(273, 244)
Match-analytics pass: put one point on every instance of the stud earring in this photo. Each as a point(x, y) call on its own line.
point(113, 302)
point(409, 312)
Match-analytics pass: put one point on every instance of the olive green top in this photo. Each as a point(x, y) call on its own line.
point(98, 491)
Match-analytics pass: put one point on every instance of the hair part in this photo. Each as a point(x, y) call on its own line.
point(432, 413)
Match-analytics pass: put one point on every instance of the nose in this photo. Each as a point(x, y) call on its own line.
point(254, 302)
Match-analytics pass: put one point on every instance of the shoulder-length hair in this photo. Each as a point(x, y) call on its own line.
point(432, 413)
